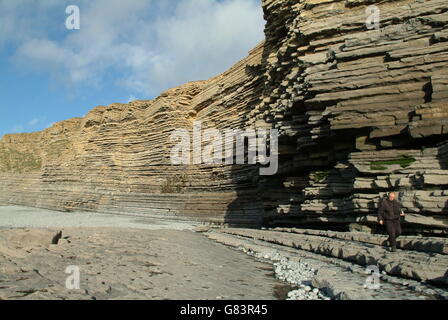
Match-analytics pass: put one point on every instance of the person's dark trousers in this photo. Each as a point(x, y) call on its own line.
point(393, 228)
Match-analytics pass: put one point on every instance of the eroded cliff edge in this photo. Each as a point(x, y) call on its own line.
point(360, 112)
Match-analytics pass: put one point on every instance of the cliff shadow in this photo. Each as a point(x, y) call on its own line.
point(246, 209)
point(442, 157)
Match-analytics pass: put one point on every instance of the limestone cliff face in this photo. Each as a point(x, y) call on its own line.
point(360, 112)
point(117, 158)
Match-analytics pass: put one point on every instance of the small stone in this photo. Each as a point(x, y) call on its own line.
point(56, 238)
point(201, 229)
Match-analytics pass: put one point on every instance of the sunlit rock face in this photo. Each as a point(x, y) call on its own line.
point(361, 110)
point(118, 157)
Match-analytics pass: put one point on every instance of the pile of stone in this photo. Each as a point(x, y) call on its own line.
point(294, 272)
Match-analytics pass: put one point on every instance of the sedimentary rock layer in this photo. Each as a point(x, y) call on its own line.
point(117, 158)
point(360, 112)
point(407, 264)
point(337, 277)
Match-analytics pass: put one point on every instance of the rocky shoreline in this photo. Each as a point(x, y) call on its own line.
point(296, 273)
point(122, 257)
point(333, 277)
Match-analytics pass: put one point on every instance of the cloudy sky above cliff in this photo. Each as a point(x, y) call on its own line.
point(124, 50)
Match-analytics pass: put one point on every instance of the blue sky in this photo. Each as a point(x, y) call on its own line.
point(124, 50)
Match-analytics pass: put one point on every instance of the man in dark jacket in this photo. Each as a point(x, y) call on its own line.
point(389, 212)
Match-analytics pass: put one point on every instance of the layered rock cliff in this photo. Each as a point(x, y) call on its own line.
point(360, 112)
point(117, 158)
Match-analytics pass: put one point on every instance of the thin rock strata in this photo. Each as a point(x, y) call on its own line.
point(406, 263)
point(360, 112)
point(117, 158)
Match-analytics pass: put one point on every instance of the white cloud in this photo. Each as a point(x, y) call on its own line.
point(148, 46)
point(132, 98)
point(33, 122)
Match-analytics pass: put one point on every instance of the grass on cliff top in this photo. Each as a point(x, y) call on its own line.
point(14, 161)
point(404, 161)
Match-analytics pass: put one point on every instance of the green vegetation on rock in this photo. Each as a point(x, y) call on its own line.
point(404, 161)
point(377, 167)
point(320, 176)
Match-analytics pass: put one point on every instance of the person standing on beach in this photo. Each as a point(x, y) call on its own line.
point(389, 213)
